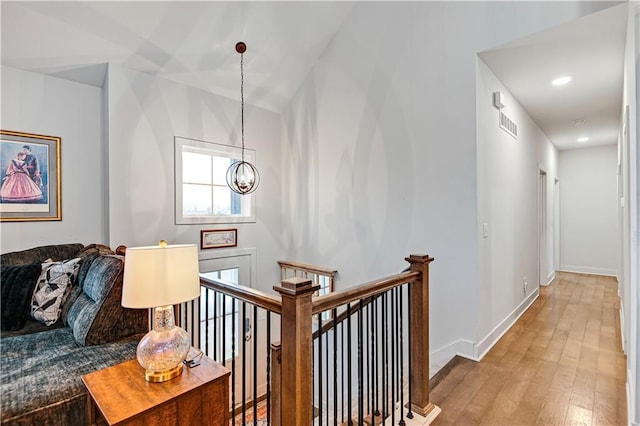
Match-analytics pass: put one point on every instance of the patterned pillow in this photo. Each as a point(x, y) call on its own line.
point(52, 288)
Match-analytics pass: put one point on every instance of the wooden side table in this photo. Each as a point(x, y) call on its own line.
point(120, 395)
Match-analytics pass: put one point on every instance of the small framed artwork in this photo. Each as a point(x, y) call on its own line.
point(30, 188)
point(217, 238)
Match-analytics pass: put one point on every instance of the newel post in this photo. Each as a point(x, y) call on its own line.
point(419, 356)
point(297, 340)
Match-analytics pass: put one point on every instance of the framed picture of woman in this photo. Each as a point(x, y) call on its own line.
point(30, 177)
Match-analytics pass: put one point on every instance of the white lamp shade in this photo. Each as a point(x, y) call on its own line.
point(159, 276)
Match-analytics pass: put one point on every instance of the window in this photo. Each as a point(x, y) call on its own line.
point(202, 194)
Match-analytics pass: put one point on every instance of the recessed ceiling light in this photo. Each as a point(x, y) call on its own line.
point(561, 81)
point(583, 139)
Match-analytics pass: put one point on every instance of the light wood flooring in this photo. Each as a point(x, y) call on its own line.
point(560, 364)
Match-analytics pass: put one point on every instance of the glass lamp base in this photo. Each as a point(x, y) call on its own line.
point(163, 349)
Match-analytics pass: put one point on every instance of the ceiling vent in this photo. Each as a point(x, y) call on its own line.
point(508, 125)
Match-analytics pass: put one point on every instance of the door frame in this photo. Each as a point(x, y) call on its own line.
point(543, 234)
point(253, 276)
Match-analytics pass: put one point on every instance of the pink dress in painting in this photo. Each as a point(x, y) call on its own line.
point(17, 185)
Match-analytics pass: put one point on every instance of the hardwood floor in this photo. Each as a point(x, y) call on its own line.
point(560, 364)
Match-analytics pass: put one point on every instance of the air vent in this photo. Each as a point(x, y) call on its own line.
point(508, 125)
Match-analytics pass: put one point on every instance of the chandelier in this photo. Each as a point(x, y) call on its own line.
point(242, 176)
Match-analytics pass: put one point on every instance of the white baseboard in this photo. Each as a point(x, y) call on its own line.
point(589, 270)
point(550, 278)
point(622, 335)
point(631, 408)
point(440, 357)
point(475, 352)
point(492, 338)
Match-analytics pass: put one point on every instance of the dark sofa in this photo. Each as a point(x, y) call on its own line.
point(41, 366)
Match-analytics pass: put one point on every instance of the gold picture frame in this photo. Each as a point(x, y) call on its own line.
point(31, 174)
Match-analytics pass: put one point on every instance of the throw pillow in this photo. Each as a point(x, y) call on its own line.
point(87, 258)
point(17, 283)
point(52, 288)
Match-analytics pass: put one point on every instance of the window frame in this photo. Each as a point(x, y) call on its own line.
point(180, 143)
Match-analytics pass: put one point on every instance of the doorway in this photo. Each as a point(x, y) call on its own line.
point(542, 227)
point(226, 324)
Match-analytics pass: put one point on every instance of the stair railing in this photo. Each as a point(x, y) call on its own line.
point(292, 397)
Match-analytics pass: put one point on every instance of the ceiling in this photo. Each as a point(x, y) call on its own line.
point(591, 50)
point(183, 41)
point(193, 43)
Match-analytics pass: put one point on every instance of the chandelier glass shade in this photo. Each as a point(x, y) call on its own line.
point(242, 176)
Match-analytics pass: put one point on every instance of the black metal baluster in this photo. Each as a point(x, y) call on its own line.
point(320, 369)
point(342, 370)
point(183, 315)
point(393, 356)
point(268, 368)
point(335, 367)
point(376, 360)
point(215, 325)
point(206, 323)
point(397, 349)
point(244, 362)
point(385, 358)
point(349, 414)
point(255, 365)
point(224, 329)
point(369, 359)
point(326, 370)
point(402, 422)
point(193, 323)
point(399, 360)
point(233, 357)
point(313, 375)
point(409, 413)
point(360, 365)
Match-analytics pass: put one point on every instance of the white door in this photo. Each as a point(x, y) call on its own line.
point(226, 325)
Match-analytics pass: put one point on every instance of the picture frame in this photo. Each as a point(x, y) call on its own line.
point(218, 238)
point(31, 177)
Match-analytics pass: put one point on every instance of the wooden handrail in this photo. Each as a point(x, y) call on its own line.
point(259, 298)
point(307, 268)
point(333, 300)
point(342, 316)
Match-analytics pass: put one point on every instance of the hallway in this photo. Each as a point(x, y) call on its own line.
point(561, 364)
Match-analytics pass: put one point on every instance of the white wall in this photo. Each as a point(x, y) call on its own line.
point(33, 103)
point(508, 171)
point(380, 148)
point(588, 210)
point(145, 114)
point(629, 159)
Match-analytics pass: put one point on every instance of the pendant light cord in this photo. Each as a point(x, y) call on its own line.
point(242, 101)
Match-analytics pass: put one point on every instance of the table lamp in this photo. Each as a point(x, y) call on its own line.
point(159, 277)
